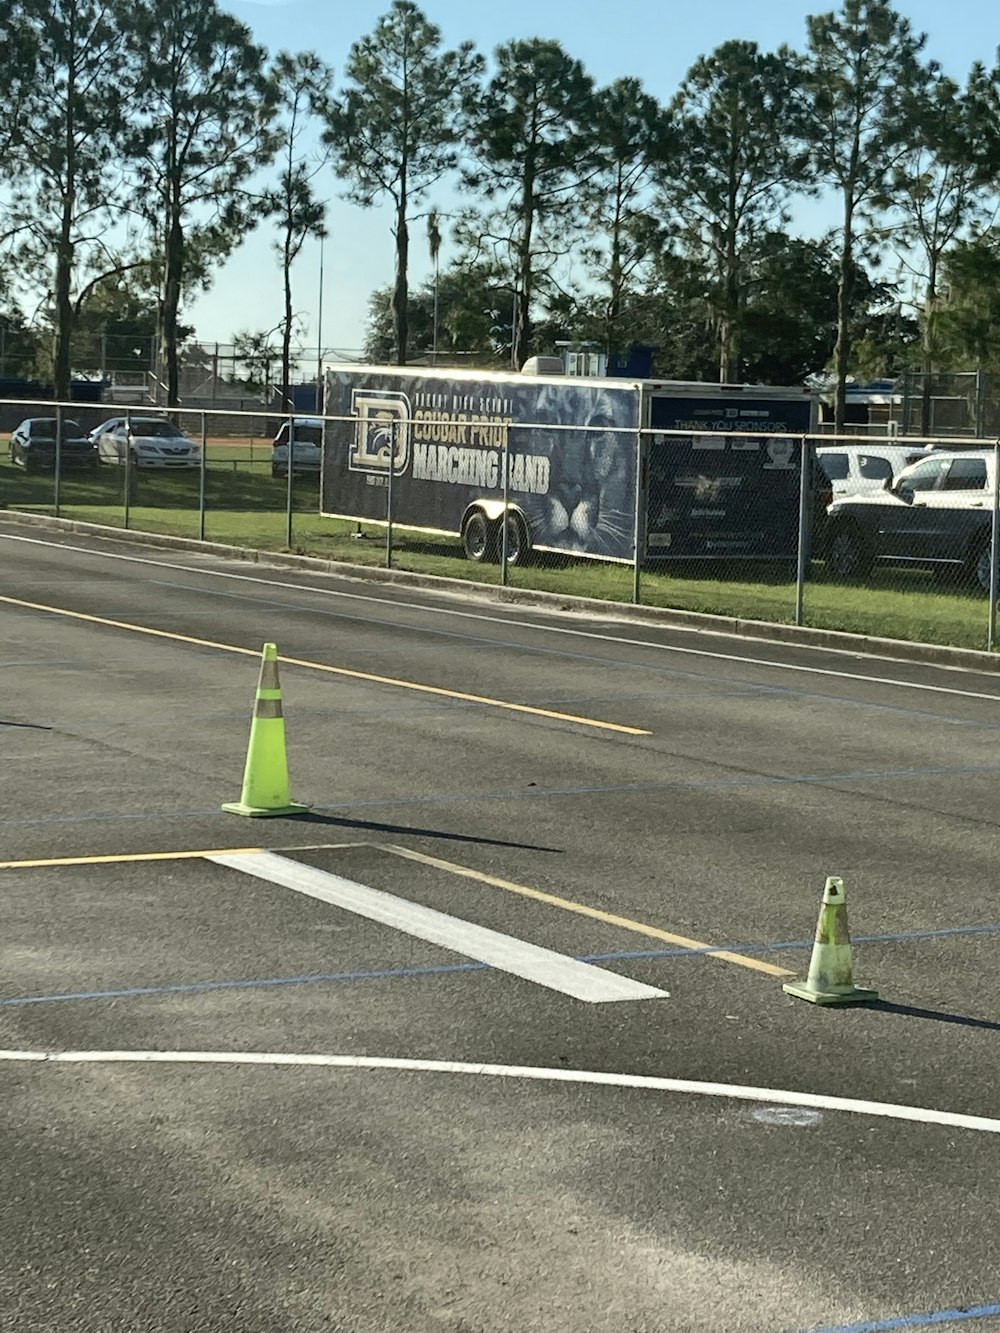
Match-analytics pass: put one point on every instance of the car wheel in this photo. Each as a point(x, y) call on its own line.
point(848, 553)
point(979, 565)
point(478, 537)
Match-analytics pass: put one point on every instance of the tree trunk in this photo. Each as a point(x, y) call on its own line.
point(617, 281)
point(522, 297)
point(728, 369)
point(173, 268)
point(845, 293)
point(928, 349)
point(728, 357)
point(61, 353)
point(400, 291)
point(61, 359)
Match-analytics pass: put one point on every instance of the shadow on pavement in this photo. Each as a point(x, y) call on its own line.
point(371, 826)
point(938, 1015)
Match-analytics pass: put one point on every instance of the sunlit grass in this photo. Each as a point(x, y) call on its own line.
point(246, 507)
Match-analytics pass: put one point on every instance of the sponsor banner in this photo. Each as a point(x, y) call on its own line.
point(717, 495)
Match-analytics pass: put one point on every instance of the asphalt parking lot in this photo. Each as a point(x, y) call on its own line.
point(494, 1037)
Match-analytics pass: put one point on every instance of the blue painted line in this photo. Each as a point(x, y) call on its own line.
point(443, 969)
point(252, 983)
point(535, 793)
point(961, 1315)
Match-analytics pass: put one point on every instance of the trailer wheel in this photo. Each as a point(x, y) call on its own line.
point(478, 537)
point(517, 541)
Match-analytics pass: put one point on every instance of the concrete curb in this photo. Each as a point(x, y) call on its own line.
point(800, 635)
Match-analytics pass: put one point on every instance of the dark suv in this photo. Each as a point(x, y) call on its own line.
point(33, 445)
point(936, 514)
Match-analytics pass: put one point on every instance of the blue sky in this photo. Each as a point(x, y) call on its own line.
point(654, 40)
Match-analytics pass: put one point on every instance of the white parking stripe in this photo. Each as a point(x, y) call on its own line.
point(546, 968)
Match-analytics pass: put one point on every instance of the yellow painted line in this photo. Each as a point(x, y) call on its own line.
point(609, 919)
point(124, 857)
point(117, 860)
point(438, 690)
point(451, 867)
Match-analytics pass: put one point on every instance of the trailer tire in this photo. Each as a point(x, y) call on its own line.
point(518, 545)
point(479, 537)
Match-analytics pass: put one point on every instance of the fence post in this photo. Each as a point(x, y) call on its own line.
point(504, 535)
point(58, 463)
point(991, 633)
point(805, 495)
point(288, 482)
point(202, 471)
point(639, 526)
point(388, 494)
point(127, 505)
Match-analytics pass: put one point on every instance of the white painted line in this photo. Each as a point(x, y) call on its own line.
point(583, 981)
point(921, 1115)
point(737, 658)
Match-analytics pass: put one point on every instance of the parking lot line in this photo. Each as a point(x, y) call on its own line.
point(452, 868)
point(114, 860)
point(544, 967)
point(609, 919)
point(123, 858)
point(367, 676)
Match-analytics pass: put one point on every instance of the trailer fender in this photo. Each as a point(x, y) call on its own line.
point(490, 507)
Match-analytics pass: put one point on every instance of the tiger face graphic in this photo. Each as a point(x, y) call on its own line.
point(590, 505)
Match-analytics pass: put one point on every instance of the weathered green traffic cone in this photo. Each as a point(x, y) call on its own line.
point(831, 978)
point(265, 777)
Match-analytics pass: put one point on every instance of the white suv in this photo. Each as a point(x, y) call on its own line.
point(863, 469)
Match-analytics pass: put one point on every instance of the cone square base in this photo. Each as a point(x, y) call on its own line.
point(264, 812)
point(856, 995)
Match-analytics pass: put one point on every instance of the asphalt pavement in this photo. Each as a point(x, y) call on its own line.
point(494, 1037)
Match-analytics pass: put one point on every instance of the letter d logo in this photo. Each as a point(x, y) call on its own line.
point(379, 417)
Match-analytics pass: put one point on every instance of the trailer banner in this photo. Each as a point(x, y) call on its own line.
point(570, 453)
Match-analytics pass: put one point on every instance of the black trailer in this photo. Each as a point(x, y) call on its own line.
point(598, 468)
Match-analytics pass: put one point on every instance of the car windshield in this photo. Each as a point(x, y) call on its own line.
point(156, 430)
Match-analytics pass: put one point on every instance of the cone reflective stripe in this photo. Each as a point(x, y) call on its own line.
point(831, 975)
point(265, 777)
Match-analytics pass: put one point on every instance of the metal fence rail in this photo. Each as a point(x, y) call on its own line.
point(813, 530)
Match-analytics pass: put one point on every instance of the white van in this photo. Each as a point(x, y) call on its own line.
point(861, 469)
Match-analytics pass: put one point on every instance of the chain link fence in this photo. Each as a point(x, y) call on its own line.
point(879, 537)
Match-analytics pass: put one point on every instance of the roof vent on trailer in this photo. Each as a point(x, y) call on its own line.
point(543, 365)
